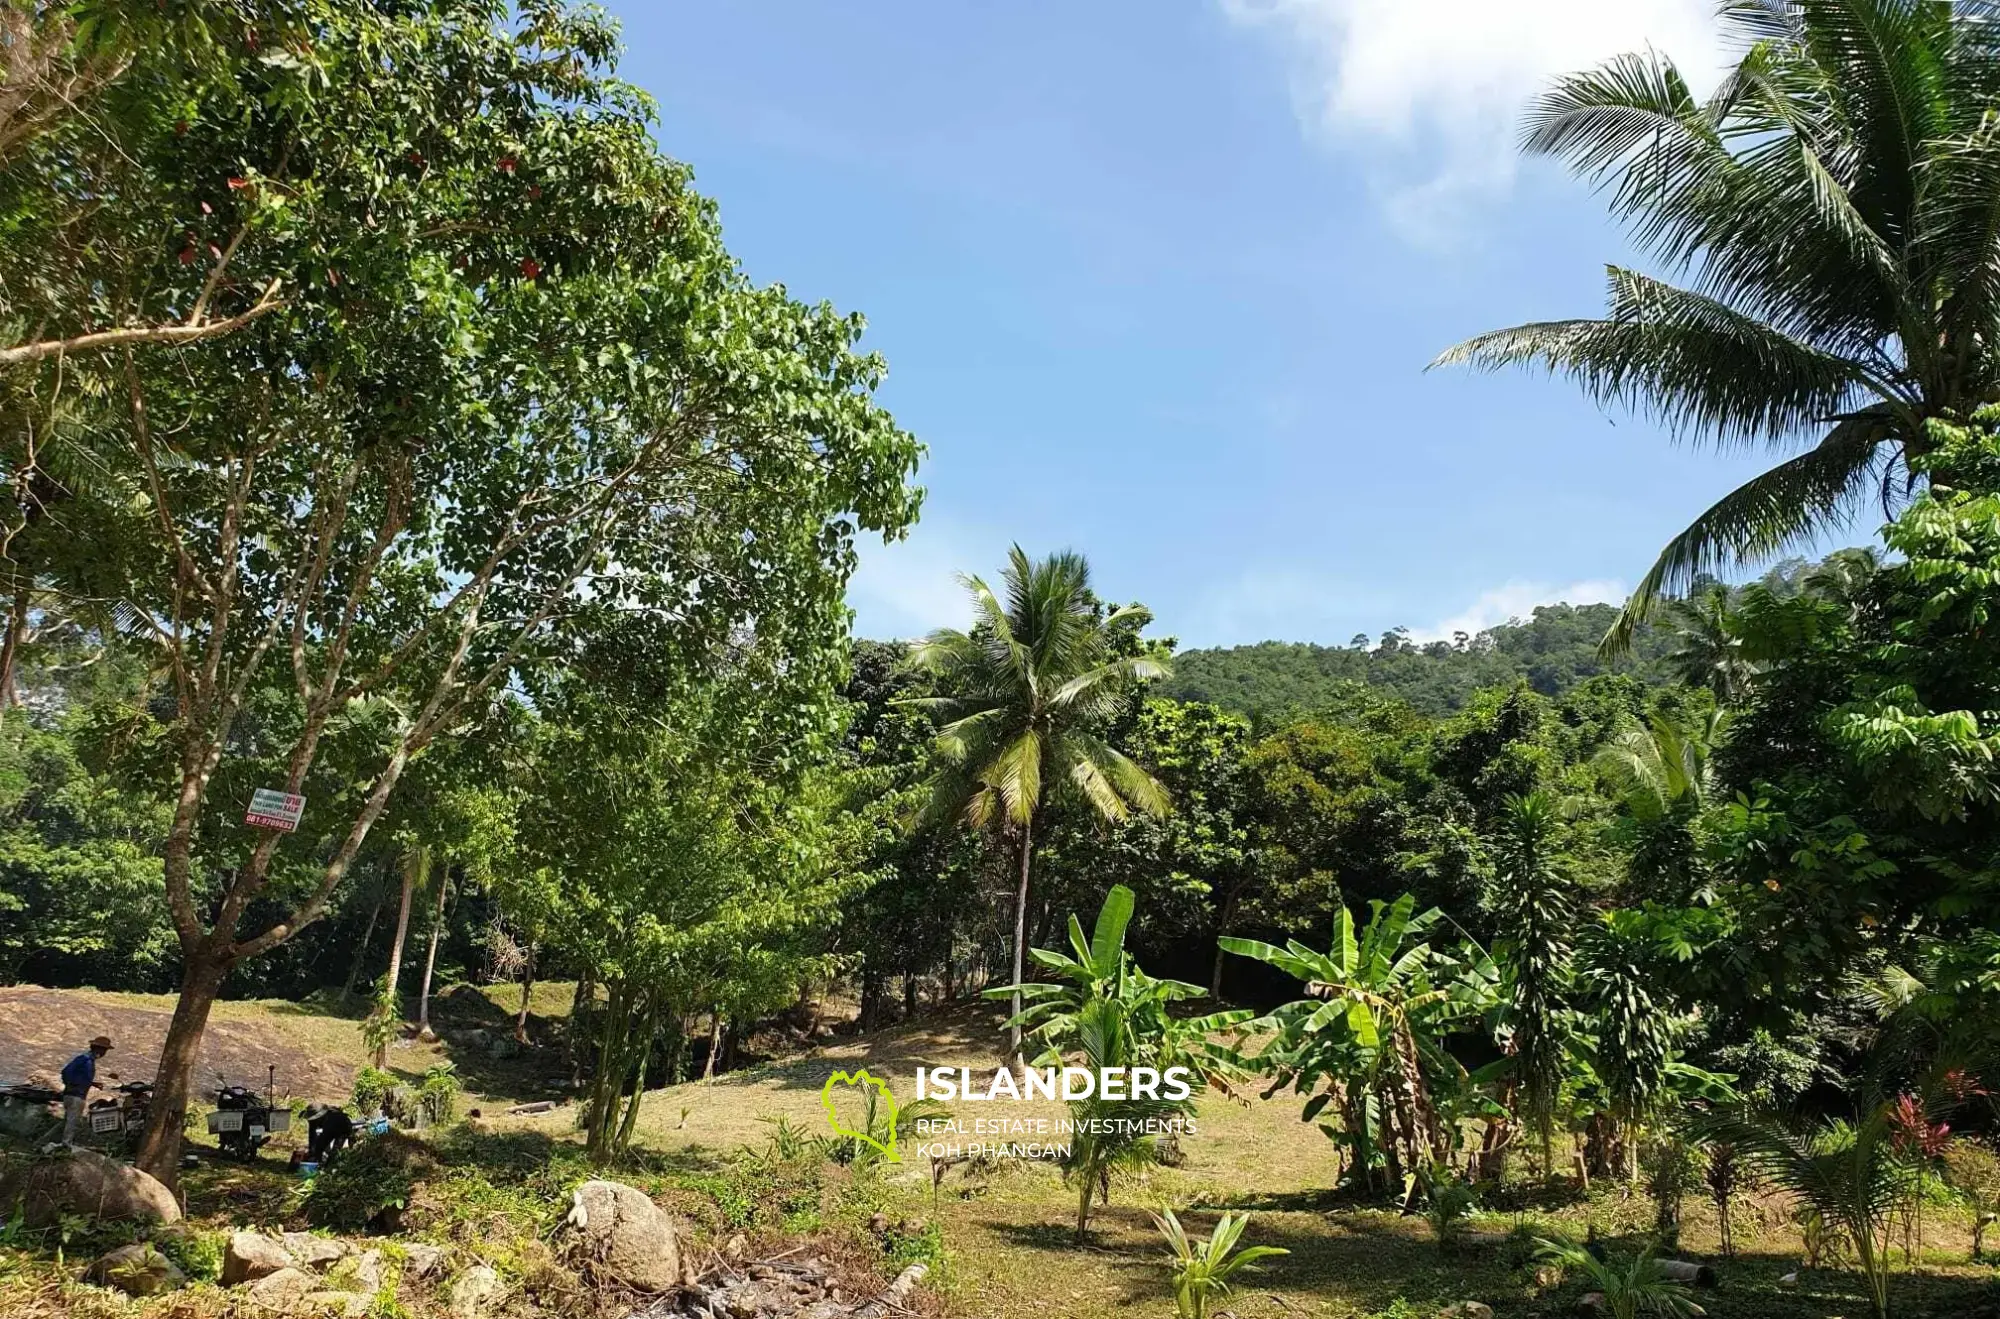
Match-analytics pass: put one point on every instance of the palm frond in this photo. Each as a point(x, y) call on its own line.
point(1768, 514)
point(1696, 364)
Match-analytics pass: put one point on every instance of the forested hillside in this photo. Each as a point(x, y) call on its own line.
point(1554, 651)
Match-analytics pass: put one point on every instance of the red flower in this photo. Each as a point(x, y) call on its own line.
point(506, 164)
point(187, 255)
point(535, 193)
point(237, 184)
point(531, 267)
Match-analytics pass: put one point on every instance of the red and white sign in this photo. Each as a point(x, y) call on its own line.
point(271, 809)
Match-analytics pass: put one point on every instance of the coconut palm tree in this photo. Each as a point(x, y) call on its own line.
point(1025, 693)
point(1709, 649)
point(1830, 213)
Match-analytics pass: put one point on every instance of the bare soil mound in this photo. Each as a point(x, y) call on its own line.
point(41, 1029)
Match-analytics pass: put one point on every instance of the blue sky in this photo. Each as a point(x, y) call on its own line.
point(1157, 280)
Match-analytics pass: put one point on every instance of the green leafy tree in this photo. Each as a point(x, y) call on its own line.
point(1021, 694)
point(677, 874)
point(1620, 993)
point(518, 395)
point(1829, 203)
point(1708, 644)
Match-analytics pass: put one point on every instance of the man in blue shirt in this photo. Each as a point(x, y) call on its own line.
point(79, 1078)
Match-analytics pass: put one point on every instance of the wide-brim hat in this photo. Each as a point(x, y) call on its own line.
point(101, 1042)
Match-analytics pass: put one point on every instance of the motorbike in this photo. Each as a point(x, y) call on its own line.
point(123, 1113)
point(244, 1120)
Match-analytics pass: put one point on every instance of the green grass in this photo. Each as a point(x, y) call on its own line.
point(999, 1241)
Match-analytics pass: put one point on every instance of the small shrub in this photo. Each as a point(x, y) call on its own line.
point(1973, 1170)
point(1202, 1266)
point(371, 1090)
point(380, 1173)
point(1448, 1204)
point(437, 1096)
point(1673, 1168)
point(915, 1243)
point(194, 1251)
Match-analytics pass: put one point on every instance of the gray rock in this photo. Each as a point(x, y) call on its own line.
point(475, 1292)
point(422, 1262)
point(357, 1273)
point(137, 1270)
point(624, 1236)
point(250, 1256)
point(348, 1305)
point(86, 1183)
point(284, 1291)
point(315, 1252)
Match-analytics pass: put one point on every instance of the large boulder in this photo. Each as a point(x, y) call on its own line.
point(624, 1236)
point(252, 1255)
point(85, 1183)
point(137, 1270)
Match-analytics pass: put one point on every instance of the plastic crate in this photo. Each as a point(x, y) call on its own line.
point(225, 1120)
point(105, 1121)
point(280, 1119)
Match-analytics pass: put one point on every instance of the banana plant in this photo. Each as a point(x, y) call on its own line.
point(1102, 970)
point(1106, 1012)
point(1368, 1038)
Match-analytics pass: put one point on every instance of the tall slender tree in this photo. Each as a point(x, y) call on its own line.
point(1024, 694)
point(1536, 918)
point(1833, 208)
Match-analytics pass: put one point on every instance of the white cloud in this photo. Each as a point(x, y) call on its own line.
point(1441, 83)
point(1518, 599)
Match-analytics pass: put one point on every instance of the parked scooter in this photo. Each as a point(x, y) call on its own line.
point(244, 1120)
point(123, 1115)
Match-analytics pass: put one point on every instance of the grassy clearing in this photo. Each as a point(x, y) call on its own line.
point(1001, 1235)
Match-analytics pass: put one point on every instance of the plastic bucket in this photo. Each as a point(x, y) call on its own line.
point(308, 1171)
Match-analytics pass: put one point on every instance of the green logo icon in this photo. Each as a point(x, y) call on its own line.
point(878, 1124)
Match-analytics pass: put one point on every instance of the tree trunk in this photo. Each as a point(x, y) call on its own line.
point(354, 967)
point(608, 1084)
point(1021, 936)
point(909, 995)
point(948, 971)
point(204, 969)
point(10, 648)
point(414, 860)
point(580, 1004)
point(527, 993)
point(631, 1122)
point(714, 1043)
point(430, 964)
point(871, 999)
point(1223, 920)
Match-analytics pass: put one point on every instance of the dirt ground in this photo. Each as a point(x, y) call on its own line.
point(41, 1029)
